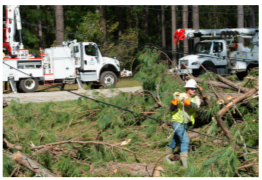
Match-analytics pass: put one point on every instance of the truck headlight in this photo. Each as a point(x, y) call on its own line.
point(194, 63)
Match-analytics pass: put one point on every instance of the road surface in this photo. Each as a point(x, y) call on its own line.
point(65, 96)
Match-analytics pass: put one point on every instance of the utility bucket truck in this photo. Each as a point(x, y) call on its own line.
point(75, 61)
point(220, 56)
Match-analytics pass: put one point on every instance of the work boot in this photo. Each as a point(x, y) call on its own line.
point(169, 152)
point(183, 158)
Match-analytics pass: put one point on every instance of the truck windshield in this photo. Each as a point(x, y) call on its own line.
point(202, 48)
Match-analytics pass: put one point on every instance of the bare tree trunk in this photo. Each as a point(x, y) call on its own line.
point(196, 21)
point(179, 26)
point(158, 22)
point(59, 25)
point(120, 22)
point(102, 10)
point(40, 29)
point(174, 55)
point(146, 22)
point(136, 21)
point(240, 20)
point(163, 28)
point(130, 17)
point(185, 26)
point(252, 16)
point(190, 25)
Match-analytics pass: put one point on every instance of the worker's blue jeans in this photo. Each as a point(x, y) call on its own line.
point(181, 136)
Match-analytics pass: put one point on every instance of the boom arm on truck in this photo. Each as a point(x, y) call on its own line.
point(13, 19)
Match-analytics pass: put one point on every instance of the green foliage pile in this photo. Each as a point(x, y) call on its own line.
point(84, 120)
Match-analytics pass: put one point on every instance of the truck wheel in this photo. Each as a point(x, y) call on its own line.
point(241, 75)
point(28, 85)
point(108, 78)
point(209, 68)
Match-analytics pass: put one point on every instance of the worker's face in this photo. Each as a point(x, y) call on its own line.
point(191, 91)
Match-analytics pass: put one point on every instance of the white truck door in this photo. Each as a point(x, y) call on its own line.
point(219, 53)
point(91, 58)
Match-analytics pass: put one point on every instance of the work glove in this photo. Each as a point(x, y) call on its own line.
point(187, 102)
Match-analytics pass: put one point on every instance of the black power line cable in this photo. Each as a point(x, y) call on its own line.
point(125, 42)
point(127, 110)
point(176, 10)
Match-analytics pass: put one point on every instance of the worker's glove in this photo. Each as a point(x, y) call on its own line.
point(187, 102)
point(175, 101)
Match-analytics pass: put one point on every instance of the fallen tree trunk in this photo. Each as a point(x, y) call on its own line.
point(13, 146)
point(35, 167)
point(135, 169)
point(235, 101)
point(227, 107)
point(230, 83)
point(243, 101)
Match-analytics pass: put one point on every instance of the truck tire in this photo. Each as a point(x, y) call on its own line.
point(209, 68)
point(108, 78)
point(28, 85)
point(241, 75)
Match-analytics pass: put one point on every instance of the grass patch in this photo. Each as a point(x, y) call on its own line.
point(128, 82)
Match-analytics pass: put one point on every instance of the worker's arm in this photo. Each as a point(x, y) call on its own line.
point(193, 105)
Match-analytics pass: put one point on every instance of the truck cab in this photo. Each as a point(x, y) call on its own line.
point(211, 53)
point(220, 56)
point(91, 65)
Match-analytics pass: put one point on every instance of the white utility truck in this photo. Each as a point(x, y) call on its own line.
point(75, 61)
point(221, 56)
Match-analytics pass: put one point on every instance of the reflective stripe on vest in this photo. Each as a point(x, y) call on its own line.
point(178, 115)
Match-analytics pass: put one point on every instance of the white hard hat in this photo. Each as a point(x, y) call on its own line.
point(191, 83)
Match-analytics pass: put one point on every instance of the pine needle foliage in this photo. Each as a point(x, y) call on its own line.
point(8, 167)
point(67, 167)
point(82, 119)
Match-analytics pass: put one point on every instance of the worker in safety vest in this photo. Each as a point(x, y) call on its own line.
point(183, 109)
